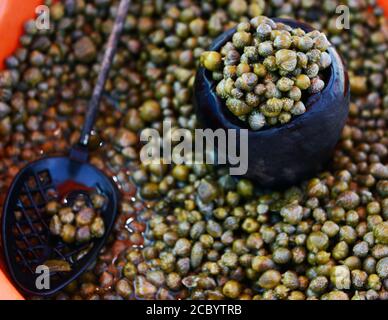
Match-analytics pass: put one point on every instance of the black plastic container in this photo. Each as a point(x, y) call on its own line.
point(282, 155)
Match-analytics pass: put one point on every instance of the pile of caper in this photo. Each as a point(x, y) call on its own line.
point(78, 223)
point(266, 68)
point(213, 239)
point(181, 227)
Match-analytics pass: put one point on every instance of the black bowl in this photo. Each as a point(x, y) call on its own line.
point(282, 155)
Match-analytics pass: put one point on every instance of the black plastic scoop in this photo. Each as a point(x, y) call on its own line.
point(26, 237)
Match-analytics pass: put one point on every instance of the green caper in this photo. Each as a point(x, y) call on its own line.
point(232, 289)
point(285, 84)
point(269, 279)
point(241, 39)
point(381, 233)
point(317, 241)
point(305, 43)
point(97, 228)
point(302, 82)
point(84, 217)
point(68, 233)
point(286, 59)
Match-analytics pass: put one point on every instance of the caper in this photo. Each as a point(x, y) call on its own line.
point(302, 82)
point(263, 31)
point(316, 85)
point(68, 233)
point(85, 49)
point(292, 213)
point(83, 234)
point(232, 289)
point(317, 241)
point(298, 108)
point(286, 59)
point(84, 217)
point(52, 207)
point(66, 215)
point(269, 279)
point(381, 233)
point(305, 43)
point(273, 107)
point(211, 60)
point(265, 49)
point(382, 268)
point(285, 84)
point(241, 39)
point(55, 225)
point(256, 120)
point(150, 110)
point(340, 277)
point(237, 106)
point(97, 228)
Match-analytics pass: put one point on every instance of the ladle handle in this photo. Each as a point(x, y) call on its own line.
point(105, 67)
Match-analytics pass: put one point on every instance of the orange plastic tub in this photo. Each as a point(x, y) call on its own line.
point(13, 14)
